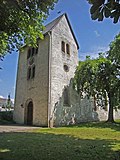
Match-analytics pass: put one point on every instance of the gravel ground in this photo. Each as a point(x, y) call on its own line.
point(16, 128)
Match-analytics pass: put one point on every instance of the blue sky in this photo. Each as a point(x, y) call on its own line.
point(92, 36)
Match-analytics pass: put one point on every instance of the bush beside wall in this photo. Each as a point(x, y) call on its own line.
point(6, 115)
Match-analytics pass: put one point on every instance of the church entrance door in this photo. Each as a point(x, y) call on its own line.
point(30, 113)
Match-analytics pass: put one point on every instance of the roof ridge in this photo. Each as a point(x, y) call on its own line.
point(52, 24)
point(55, 19)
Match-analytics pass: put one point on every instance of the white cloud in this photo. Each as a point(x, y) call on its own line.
point(12, 100)
point(93, 53)
point(99, 49)
point(97, 33)
point(83, 55)
point(2, 96)
point(6, 98)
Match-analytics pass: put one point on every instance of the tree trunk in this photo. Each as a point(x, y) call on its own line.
point(95, 106)
point(110, 113)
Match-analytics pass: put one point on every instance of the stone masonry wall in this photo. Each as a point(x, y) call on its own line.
point(60, 78)
point(79, 110)
point(34, 89)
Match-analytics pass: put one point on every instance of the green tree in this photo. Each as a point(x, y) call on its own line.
point(114, 52)
point(101, 76)
point(105, 8)
point(21, 22)
point(9, 103)
point(114, 55)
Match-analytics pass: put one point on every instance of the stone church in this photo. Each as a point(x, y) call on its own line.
point(44, 90)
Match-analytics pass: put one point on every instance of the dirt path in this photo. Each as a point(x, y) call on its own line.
point(16, 128)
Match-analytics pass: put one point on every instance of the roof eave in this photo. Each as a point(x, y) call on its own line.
point(72, 31)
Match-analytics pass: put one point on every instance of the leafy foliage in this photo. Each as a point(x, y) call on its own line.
point(105, 8)
point(114, 55)
point(114, 52)
point(6, 116)
point(101, 76)
point(22, 22)
point(90, 74)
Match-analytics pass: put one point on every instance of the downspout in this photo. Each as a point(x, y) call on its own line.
point(49, 76)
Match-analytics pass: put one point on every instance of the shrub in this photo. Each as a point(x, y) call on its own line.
point(6, 115)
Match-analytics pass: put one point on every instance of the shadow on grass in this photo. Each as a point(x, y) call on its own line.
point(47, 146)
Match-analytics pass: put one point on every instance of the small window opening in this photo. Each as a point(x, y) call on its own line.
point(33, 51)
point(66, 97)
point(63, 46)
point(29, 53)
point(66, 68)
point(68, 48)
point(33, 72)
point(29, 73)
point(36, 51)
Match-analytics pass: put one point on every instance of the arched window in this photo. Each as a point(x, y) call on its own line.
point(29, 73)
point(33, 51)
point(36, 50)
point(29, 53)
point(63, 46)
point(33, 71)
point(67, 48)
point(66, 97)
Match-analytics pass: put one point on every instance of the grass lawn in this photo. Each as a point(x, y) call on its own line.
point(89, 141)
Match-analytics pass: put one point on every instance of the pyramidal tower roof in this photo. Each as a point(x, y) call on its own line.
point(52, 24)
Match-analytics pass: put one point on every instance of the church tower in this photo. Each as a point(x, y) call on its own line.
point(44, 76)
